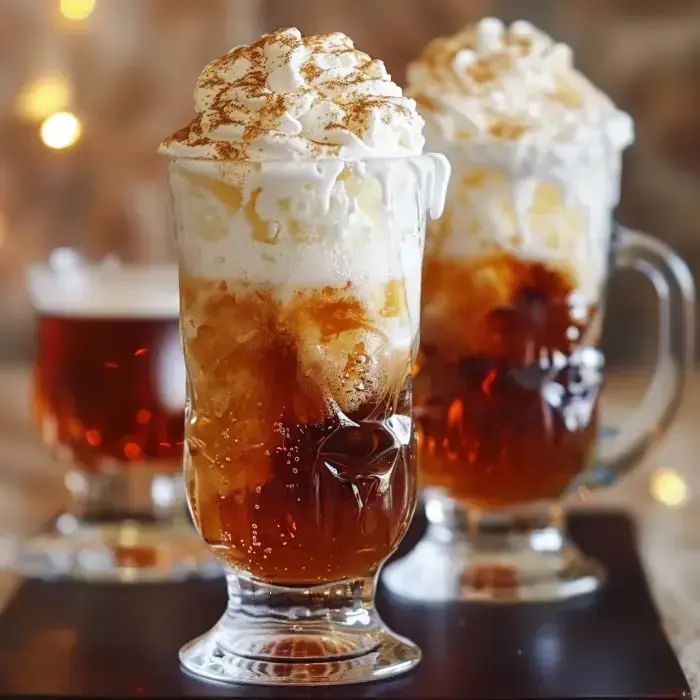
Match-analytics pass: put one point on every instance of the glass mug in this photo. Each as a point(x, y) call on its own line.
point(299, 302)
point(508, 379)
point(108, 397)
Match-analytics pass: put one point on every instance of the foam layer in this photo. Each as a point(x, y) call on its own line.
point(302, 169)
point(105, 291)
point(558, 213)
point(299, 225)
point(291, 97)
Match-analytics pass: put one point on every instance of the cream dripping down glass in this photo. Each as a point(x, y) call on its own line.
point(509, 372)
point(300, 195)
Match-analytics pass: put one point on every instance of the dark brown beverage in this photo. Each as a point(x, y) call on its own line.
point(299, 459)
point(507, 382)
point(111, 390)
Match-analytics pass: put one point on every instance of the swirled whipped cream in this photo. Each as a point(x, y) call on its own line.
point(291, 97)
point(491, 83)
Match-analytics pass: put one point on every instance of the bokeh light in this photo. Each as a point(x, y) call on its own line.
point(43, 97)
point(61, 131)
point(77, 10)
point(667, 486)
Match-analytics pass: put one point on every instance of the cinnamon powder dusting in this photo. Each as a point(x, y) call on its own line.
point(243, 96)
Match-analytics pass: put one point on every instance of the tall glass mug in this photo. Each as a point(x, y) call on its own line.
point(299, 302)
point(109, 394)
point(509, 375)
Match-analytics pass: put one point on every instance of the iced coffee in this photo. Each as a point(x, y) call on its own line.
point(300, 196)
point(509, 371)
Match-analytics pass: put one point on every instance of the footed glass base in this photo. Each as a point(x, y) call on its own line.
point(122, 551)
point(206, 657)
point(492, 558)
point(321, 635)
point(124, 525)
point(457, 571)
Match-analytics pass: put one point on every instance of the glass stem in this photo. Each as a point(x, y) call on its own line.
point(537, 527)
point(143, 493)
point(268, 622)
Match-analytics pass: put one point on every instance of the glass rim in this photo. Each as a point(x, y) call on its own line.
point(396, 157)
point(108, 264)
point(568, 145)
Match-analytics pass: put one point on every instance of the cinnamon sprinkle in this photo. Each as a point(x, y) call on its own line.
point(467, 65)
point(439, 56)
point(229, 84)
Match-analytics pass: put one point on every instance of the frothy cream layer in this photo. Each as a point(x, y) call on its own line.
point(558, 214)
point(291, 97)
point(298, 225)
point(495, 83)
point(303, 169)
point(105, 290)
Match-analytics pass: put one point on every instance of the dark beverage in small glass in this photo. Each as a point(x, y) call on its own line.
point(109, 390)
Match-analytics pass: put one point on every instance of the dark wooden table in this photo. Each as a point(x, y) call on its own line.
point(86, 640)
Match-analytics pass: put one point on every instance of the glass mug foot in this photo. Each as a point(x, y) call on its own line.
point(446, 572)
point(323, 635)
point(124, 526)
point(125, 551)
point(493, 559)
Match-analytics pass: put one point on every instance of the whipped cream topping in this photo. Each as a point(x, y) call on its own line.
point(491, 83)
point(291, 97)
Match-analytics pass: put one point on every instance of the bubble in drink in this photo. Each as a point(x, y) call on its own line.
point(337, 450)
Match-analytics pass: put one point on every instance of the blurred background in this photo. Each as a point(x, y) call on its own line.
point(89, 87)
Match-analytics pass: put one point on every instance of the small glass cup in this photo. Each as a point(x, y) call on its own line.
point(299, 303)
point(109, 398)
point(510, 371)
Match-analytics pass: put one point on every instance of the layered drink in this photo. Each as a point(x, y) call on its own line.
point(300, 195)
point(509, 372)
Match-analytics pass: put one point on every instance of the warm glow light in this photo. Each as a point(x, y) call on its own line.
point(61, 130)
point(43, 97)
point(77, 10)
point(668, 487)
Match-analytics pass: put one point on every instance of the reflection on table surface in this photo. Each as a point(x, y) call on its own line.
point(663, 494)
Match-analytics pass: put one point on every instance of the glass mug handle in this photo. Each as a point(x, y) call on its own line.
point(666, 271)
